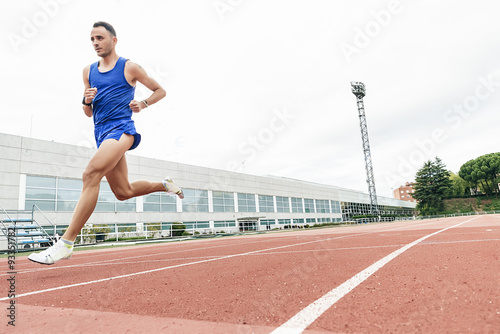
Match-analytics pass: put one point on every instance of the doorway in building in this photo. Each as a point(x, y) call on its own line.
point(248, 225)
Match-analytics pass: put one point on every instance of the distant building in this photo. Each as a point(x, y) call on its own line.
point(38, 174)
point(405, 193)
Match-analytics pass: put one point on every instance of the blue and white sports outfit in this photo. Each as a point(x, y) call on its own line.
point(110, 107)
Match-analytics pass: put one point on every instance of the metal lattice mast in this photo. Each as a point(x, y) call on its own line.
point(358, 89)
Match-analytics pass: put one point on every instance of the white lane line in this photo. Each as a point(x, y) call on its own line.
point(95, 264)
point(196, 262)
point(298, 323)
point(112, 261)
point(175, 266)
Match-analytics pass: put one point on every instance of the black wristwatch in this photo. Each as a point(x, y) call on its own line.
point(87, 104)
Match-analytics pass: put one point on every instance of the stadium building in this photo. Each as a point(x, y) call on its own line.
point(47, 176)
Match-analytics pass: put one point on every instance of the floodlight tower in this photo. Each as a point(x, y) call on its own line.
point(358, 89)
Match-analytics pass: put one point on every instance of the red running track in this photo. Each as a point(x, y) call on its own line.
point(433, 276)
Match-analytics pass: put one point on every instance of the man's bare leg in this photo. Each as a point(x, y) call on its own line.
point(107, 157)
point(123, 189)
point(109, 161)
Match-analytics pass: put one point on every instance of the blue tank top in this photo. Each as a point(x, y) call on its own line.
point(114, 93)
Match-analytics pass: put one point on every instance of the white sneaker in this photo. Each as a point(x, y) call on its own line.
point(52, 254)
point(172, 188)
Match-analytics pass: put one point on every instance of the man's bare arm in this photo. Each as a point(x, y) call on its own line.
point(89, 92)
point(136, 73)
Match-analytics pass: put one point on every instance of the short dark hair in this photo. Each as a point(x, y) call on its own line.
point(107, 26)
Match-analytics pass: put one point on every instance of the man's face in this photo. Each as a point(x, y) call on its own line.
point(102, 41)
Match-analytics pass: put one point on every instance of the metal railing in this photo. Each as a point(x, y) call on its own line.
point(143, 231)
point(4, 227)
point(36, 209)
point(116, 232)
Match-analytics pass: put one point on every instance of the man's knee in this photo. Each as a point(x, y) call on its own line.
point(122, 197)
point(122, 194)
point(91, 176)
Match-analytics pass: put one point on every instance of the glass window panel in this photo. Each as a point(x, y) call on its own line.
point(37, 193)
point(105, 206)
point(168, 199)
point(335, 207)
point(40, 181)
point(224, 224)
point(41, 204)
point(168, 207)
point(106, 197)
point(188, 207)
point(66, 205)
point(265, 222)
point(246, 203)
point(70, 184)
point(297, 205)
point(68, 195)
point(202, 201)
point(152, 198)
point(202, 208)
point(223, 202)
point(195, 200)
point(151, 207)
point(218, 208)
point(322, 206)
point(201, 193)
point(105, 186)
point(132, 227)
point(266, 203)
point(188, 192)
point(309, 205)
point(123, 206)
point(202, 225)
point(282, 204)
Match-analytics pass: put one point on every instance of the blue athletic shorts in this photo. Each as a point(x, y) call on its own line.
point(114, 130)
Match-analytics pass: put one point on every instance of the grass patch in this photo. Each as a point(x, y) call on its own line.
point(465, 205)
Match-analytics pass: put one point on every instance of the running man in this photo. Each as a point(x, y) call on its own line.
point(109, 99)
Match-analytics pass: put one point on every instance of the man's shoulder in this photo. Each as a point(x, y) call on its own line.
point(87, 68)
point(132, 68)
point(130, 64)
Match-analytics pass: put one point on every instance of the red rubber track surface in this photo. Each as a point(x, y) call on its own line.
point(447, 283)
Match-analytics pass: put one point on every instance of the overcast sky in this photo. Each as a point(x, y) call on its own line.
point(263, 86)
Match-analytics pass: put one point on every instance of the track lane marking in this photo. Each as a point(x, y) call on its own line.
point(200, 262)
point(425, 243)
point(174, 266)
point(34, 270)
point(299, 322)
point(193, 263)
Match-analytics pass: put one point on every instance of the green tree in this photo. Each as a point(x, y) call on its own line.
point(458, 187)
point(482, 173)
point(432, 183)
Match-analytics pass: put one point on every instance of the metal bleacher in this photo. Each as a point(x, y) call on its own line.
point(20, 228)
